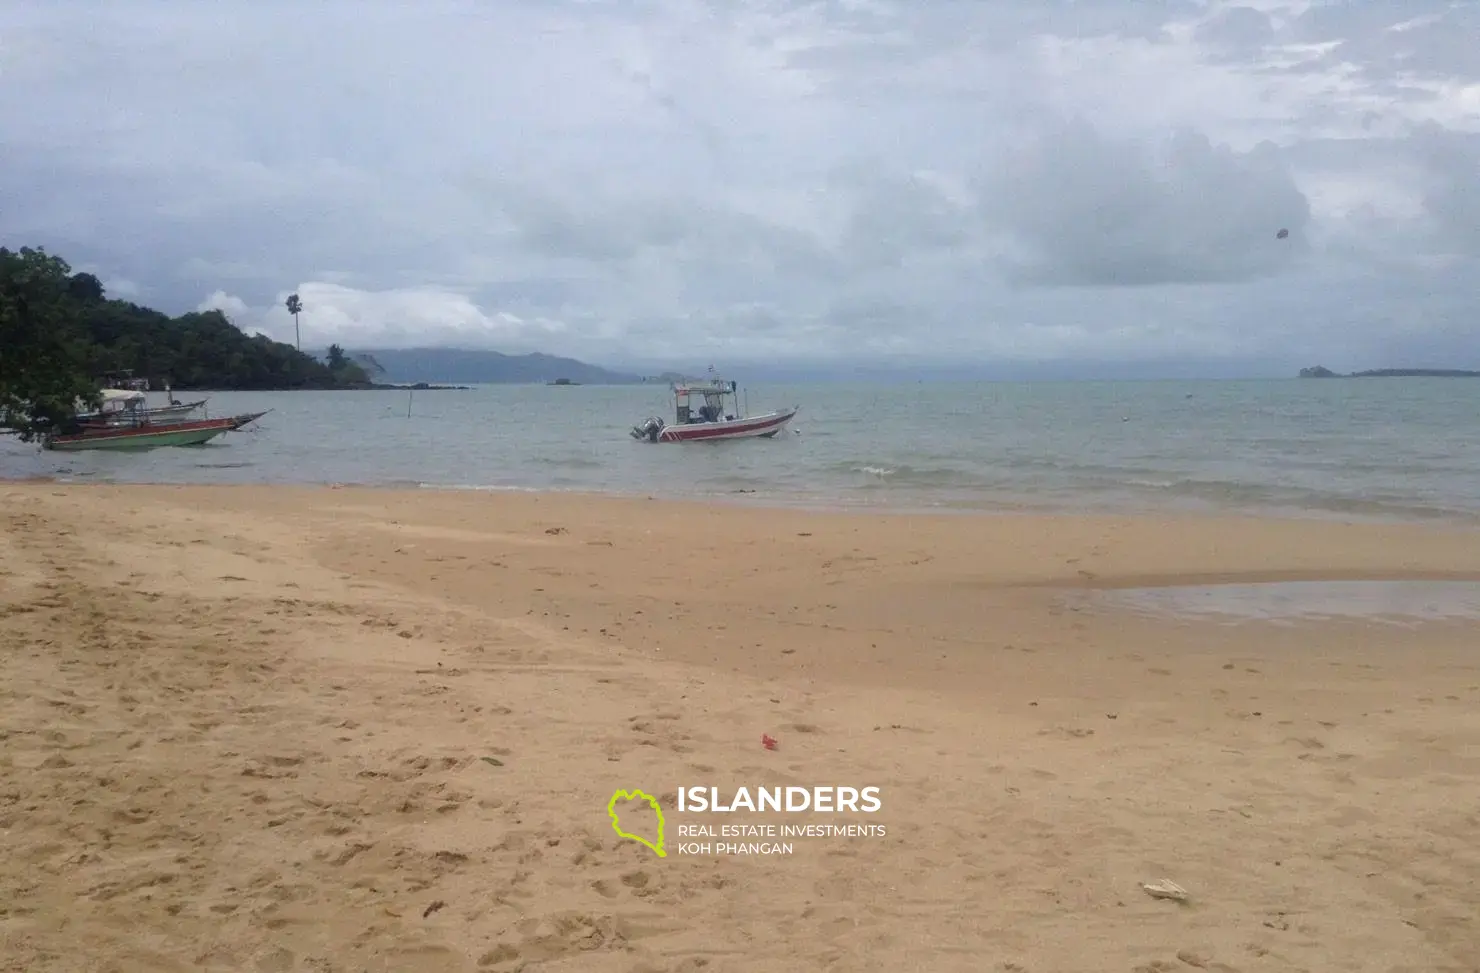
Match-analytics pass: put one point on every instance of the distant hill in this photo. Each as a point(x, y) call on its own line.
point(1320, 371)
point(460, 365)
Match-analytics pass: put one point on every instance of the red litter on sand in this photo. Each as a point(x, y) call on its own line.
point(768, 741)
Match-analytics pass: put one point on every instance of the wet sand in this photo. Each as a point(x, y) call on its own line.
point(250, 728)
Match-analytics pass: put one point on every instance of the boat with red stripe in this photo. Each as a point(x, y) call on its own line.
point(147, 434)
point(710, 422)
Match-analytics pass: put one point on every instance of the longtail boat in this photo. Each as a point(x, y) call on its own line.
point(145, 435)
point(238, 421)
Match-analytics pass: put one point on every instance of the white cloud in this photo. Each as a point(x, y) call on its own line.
point(233, 307)
point(408, 318)
point(679, 179)
point(122, 289)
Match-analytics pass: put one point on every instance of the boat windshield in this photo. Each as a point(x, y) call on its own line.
point(712, 394)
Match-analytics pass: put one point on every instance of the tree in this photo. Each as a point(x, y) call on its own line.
point(346, 370)
point(294, 307)
point(85, 287)
point(43, 356)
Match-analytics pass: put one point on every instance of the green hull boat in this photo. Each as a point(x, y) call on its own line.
point(149, 435)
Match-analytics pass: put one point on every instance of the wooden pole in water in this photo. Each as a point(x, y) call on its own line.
point(410, 394)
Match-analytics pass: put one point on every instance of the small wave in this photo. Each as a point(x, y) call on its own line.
point(1388, 509)
point(481, 487)
point(569, 462)
point(880, 476)
point(930, 478)
point(1232, 494)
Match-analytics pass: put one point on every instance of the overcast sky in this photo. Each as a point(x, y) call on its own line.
point(673, 182)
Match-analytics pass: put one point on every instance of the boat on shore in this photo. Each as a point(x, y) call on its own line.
point(710, 422)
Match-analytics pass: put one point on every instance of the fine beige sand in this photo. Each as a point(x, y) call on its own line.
point(271, 729)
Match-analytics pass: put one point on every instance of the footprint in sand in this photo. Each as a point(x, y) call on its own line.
point(554, 937)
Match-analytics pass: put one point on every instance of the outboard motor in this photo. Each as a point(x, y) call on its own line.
point(649, 429)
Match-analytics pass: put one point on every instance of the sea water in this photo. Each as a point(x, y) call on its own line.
point(1401, 448)
point(1385, 602)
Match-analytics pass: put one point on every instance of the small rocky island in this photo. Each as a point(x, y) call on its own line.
point(1320, 371)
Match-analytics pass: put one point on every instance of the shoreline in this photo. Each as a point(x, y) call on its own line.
point(937, 524)
point(779, 500)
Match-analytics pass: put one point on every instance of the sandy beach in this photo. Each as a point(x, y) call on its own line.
point(273, 729)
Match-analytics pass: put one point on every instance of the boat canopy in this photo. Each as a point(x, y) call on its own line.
point(713, 409)
point(715, 386)
point(122, 400)
point(114, 400)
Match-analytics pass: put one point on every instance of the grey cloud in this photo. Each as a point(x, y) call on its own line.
point(984, 39)
point(1391, 44)
point(1444, 45)
point(598, 227)
point(1451, 162)
point(1009, 21)
point(1085, 210)
point(558, 228)
point(1237, 28)
point(1433, 169)
point(893, 217)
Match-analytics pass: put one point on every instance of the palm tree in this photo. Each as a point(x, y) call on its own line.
point(294, 306)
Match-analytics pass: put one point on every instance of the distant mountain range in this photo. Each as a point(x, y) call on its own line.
point(462, 366)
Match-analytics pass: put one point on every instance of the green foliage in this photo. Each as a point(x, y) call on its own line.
point(346, 372)
point(85, 287)
point(59, 334)
point(43, 351)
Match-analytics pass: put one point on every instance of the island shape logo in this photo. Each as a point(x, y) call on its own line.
point(611, 811)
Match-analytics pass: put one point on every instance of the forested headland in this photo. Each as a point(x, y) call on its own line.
point(202, 349)
point(60, 336)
